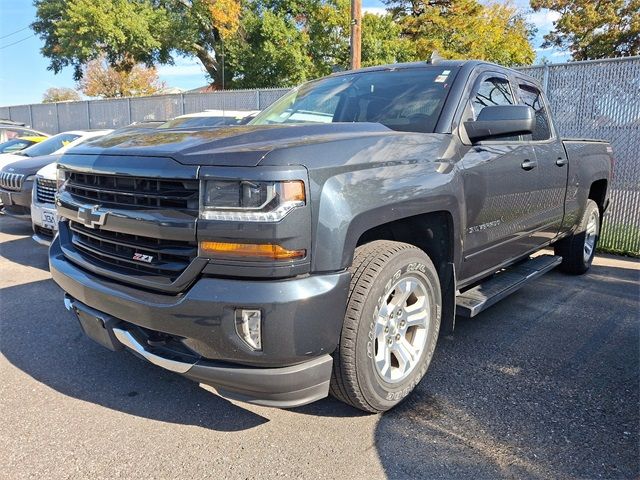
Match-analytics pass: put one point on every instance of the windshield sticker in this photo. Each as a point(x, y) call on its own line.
point(443, 76)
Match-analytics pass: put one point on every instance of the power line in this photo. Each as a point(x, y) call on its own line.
point(17, 41)
point(13, 33)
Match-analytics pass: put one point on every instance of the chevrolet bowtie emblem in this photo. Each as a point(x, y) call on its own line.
point(91, 217)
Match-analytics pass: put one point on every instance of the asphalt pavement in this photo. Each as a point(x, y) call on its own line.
point(544, 384)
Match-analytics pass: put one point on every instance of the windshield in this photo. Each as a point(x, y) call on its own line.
point(407, 99)
point(15, 145)
point(49, 145)
point(193, 122)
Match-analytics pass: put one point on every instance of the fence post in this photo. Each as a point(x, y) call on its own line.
point(88, 115)
point(57, 118)
point(181, 103)
point(30, 115)
point(258, 100)
point(545, 80)
point(129, 111)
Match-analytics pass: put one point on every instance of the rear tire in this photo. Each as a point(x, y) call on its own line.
point(390, 328)
point(578, 250)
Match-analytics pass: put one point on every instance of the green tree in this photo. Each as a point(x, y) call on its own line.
point(269, 52)
point(62, 94)
point(128, 32)
point(459, 29)
point(591, 30)
point(284, 42)
point(382, 41)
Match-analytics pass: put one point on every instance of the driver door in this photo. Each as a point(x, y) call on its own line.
point(500, 183)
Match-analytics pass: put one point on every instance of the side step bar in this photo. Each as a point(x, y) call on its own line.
point(473, 301)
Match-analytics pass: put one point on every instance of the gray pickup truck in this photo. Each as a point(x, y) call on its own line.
point(324, 247)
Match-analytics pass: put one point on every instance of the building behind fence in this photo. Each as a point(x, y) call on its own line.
point(593, 99)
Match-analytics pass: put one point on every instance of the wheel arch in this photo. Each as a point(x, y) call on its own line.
point(435, 234)
point(598, 193)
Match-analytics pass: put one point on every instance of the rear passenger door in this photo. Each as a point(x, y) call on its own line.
point(552, 165)
point(500, 183)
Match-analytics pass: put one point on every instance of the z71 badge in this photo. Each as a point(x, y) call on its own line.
point(143, 258)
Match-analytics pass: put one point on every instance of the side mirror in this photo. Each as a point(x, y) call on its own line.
point(500, 120)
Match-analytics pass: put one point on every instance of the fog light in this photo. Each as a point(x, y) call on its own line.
point(249, 327)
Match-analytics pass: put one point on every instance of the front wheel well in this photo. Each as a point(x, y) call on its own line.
point(431, 232)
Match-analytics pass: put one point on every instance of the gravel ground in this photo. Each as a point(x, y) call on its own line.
point(543, 385)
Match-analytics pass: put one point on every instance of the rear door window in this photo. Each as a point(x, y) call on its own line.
point(532, 97)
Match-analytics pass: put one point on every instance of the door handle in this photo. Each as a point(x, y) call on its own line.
point(561, 162)
point(529, 164)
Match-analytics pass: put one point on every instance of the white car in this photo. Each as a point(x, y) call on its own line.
point(211, 118)
point(57, 144)
point(43, 210)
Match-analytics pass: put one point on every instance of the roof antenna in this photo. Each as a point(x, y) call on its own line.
point(435, 58)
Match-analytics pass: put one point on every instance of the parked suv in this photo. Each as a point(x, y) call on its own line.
point(325, 246)
point(16, 177)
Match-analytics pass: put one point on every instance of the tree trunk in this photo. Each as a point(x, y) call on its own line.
point(210, 64)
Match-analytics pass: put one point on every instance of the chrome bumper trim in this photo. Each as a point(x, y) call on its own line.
point(130, 342)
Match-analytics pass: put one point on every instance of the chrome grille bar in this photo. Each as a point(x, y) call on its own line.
point(45, 190)
point(11, 181)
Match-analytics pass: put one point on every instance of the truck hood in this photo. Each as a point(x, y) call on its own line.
point(30, 165)
point(241, 146)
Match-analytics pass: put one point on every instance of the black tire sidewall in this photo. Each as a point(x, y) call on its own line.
point(378, 393)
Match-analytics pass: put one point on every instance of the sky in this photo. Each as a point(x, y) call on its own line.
point(24, 75)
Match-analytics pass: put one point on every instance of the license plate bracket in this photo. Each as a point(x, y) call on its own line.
point(98, 326)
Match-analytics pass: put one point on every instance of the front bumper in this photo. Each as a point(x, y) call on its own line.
point(41, 235)
point(17, 203)
point(302, 321)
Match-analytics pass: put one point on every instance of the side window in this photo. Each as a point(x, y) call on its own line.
point(492, 91)
point(11, 133)
point(532, 97)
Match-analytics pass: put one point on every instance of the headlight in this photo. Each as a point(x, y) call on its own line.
point(248, 201)
point(61, 178)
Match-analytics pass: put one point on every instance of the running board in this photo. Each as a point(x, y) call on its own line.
point(473, 301)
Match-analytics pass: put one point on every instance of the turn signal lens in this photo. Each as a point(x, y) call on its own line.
point(251, 250)
point(293, 191)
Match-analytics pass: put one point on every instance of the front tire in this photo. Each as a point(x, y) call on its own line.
point(390, 328)
point(578, 250)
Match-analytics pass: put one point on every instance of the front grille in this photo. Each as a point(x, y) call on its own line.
point(11, 181)
point(134, 192)
point(43, 232)
point(45, 190)
point(167, 258)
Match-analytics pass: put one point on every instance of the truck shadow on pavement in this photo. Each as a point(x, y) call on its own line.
point(44, 340)
point(542, 385)
point(23, 249)
point(25, 252)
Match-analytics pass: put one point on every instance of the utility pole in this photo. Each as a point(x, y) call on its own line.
point(356, 32)
point(223, 60)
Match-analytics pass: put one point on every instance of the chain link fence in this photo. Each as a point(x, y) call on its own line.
point(118, 112)
point(593, 99)
point(601, 99)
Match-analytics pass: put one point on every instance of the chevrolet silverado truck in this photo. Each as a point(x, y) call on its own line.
point(325, 246)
